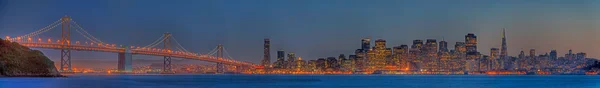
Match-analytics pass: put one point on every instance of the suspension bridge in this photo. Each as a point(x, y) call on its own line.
point(170, 48)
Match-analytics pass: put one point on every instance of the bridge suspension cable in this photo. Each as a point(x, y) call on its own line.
point(178, 45)
point(156, 42)
point(228, 55)
point(86, 34)
point(42, 30)
point(214, 51)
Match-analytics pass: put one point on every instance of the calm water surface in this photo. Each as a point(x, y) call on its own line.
point(306, 81)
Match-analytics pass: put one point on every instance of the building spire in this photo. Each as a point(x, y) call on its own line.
point(503, 33)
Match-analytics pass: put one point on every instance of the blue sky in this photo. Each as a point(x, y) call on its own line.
point(312, 28)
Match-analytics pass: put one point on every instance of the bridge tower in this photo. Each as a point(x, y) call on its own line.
point(125, 60)
point(65, 41)
point(220, 66)
point(167, 58)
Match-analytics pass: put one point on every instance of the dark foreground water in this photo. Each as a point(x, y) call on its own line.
point(306, 81)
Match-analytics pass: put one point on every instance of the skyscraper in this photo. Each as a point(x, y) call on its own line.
point(532, 53)
point(553, 54)
point(471, 42)
point(460, 47)
point(417, 44)
point(291, 60)
point(266, 62)
point(280, 63)
point(494, 53)
point(415, 49)
point(522, 55)
point(379, 56)
point(504, 52)
point(443, 46)
point(366, 44)
point(431, 47)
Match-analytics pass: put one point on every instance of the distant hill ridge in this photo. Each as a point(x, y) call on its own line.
point(20, 61)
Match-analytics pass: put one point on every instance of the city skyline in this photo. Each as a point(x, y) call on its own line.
point(340, 27)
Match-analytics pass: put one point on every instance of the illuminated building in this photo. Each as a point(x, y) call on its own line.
point(570, 55)
point(443, 46)
point(553, 54)
point(581, 55)
point(291, 60)
point(471, 63)
point(321, 64)
point(280, 63)
point(266, 62)
point(460, 48)
point(416, 48)
point(431, 47)
point(353, 63)
point(415, 53)
point(345, 63)
point(361, 60)
point(521, 62)
point(504, 52)
point(397, 53)
point(300, 65)
point(378, 56)
point(532, 53)
point(312, 65)
point(471, 42)
point(332, 64)
point(495, 62)
point(430, 60)
point(366, 44)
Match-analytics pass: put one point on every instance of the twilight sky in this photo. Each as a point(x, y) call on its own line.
point(310, 28)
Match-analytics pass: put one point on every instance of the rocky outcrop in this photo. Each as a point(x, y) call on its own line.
point(20, 61)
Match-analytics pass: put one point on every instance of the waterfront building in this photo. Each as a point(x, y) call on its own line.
point(266, 62)
point(504, 52)
point(471, 42)
point(366, 44)
point(280, 63)
point(553, 54)
point(290, 63)
point(443, 46)
point(332, 64)
point(321, 64)
point(379, 56)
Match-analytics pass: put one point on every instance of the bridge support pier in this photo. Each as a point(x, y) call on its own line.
point(125, 60)
point(220, 66)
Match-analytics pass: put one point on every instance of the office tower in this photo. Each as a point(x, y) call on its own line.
point(581, 55)
point(431, 47)
point(443, 46)
point(460, 48)
point(417, 45)
point(532, 53)
point(378, 56)
point(280, 59)
point(494, 53)
point(471, 42)
point(522, 55)
point(321, 64)
point(266, 62)
point(495, 63)
point(504, 52)
point(415, 50)
point(366, 44)
point(332, 63)
point(353, 63)
point(291, 60)
point(553, 54)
